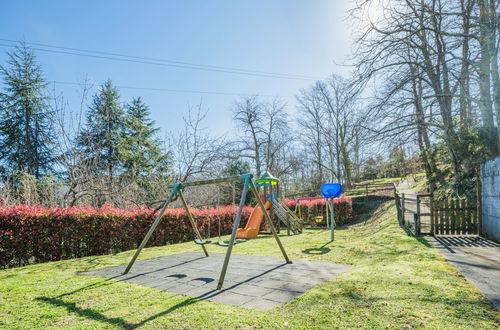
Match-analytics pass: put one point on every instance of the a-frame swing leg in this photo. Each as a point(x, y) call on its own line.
point(190, 217)
point(236, 225)
point(174, 192)
point(269, 222)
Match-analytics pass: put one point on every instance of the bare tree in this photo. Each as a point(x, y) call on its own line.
point(195, 150)
point(249, 114)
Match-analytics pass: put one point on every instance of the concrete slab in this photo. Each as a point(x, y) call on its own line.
point(261, 283)
point(477, 259)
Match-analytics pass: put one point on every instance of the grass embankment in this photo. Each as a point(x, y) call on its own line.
point(395, 281)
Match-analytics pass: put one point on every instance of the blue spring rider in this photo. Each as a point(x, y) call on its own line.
point(329, 192)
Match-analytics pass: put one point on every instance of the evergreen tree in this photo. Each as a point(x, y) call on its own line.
point(103, 132)
point(139, 148)
point(25, 130)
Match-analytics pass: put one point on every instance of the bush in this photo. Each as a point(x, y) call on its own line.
point(31, 234)
point(316, 207)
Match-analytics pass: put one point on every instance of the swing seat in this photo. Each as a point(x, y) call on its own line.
point(224, 244)
point(200, 242)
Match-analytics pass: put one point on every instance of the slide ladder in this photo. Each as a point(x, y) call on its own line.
point(287, 217)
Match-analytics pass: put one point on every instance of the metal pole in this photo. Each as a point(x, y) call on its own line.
point(236, 225)
point(190, 217)
point(268, 219)
point(327, 214)
point(209, 181)
point(332, 220)
point(152, 229)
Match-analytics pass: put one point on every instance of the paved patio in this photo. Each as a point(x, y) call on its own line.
point(262, 283)
point(477, 259)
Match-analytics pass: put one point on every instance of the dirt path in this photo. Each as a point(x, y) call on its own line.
point(404, 187)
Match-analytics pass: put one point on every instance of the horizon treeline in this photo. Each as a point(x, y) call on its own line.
point(424, 95)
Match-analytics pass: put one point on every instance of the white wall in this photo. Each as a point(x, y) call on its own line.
point(490, 180)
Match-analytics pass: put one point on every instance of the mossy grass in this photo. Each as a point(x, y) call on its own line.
point(396, 281)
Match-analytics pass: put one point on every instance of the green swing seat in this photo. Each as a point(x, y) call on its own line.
point(200, 242)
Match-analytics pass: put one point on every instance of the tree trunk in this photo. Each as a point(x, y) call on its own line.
point(485, 101)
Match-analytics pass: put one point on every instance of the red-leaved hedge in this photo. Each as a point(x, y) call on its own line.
point(315, 207)
point(31, 234)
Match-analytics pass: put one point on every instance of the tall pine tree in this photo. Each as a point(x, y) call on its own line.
point(103, 132)
point(139, 148)
point(25, 130)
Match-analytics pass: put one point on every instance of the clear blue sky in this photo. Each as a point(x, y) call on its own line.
point(288, 36)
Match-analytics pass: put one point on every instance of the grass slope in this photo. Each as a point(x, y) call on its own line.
point(396, 282)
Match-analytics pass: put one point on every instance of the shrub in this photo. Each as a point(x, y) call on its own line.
point(31, 234)
point(316, 207)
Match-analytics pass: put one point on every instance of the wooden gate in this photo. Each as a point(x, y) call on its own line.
point(455, 216)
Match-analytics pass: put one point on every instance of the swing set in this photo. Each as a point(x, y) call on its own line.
point(177, 192)
point(329, 192)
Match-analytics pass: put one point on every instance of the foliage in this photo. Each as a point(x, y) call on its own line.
point(32, 234)
point(138, 147)
point(103, 131)
point(316, 207)
point(25, 122)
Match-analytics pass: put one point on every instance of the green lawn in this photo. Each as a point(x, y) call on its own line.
point(396, 281)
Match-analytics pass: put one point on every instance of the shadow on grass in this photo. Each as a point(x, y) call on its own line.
point(94, 315)
point(420, 238)
point(85, 312)
point(97, 316)
point(318, 251)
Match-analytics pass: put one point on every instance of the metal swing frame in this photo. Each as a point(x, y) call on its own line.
point(177, 192)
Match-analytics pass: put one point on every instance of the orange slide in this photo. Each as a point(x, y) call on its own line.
point(253, 224)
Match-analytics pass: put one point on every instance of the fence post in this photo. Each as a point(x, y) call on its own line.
point(415, 224)
point(479, 206)
point(432, 214)
point(396, 198)
point(403, 207)
point(418, 214)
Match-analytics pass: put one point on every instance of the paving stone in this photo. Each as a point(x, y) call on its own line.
point(203, 292)
point(252, 290)
point(298, 286)
point(256, 282)
point(270, 283)
point(181, 288)
point(165, 285)
point(201, 281)
point(230, 298)
point(261, 304)
point(282, 296)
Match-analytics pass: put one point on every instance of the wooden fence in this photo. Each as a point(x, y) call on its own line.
point(369, 189)
point(413, 210)
point(358, 189)
point(451, 216)
point(455, 216)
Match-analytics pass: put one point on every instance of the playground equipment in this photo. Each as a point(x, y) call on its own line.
point(278, 208)
point(317, 219)
point(177, 191)
point(252, 227)
point(329, 192)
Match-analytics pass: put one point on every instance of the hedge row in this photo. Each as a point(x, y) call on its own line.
point(31, 234)
point(315, 207)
